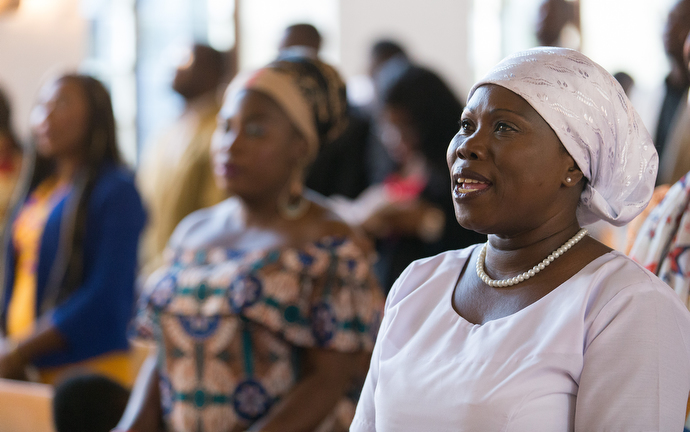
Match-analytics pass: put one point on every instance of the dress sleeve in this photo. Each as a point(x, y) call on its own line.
point(636, 372)
point(94, 319)
point(365, 415)
point(324, 296)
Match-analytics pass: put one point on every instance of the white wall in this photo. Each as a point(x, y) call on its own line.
point(50, 36)
point(625, 35)
point(263, 23)
point(435, 33)
point(42, 37)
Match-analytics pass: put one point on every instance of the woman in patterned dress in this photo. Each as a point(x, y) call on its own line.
point(266, 311)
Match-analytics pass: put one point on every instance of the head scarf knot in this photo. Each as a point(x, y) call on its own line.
point(596, 123)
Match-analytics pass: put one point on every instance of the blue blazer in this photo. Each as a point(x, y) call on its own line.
point(94, 318)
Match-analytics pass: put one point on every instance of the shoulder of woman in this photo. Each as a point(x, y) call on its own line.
point(115, 187)
point(622, 283)
point(325, 223)
point(617, 272)
point(201, 226)
point(112, 178)
point(429, 273)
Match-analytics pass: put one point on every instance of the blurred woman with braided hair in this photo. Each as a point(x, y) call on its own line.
point(70, 254)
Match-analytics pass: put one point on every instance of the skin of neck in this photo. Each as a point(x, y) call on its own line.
point(189, 102)
point(262, 211)
point(6, 147)
point(510, 255)
point(678, 77)
point(66, 167)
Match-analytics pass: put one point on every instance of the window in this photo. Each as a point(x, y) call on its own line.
point(621, 35)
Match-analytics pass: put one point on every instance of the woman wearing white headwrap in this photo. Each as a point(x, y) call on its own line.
point(543, 328)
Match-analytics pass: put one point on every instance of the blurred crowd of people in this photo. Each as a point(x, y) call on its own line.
point(252, 248)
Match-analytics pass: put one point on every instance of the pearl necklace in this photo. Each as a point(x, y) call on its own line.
point(529, 273)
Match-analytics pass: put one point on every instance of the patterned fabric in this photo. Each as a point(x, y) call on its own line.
point(310, 92)
point(596, 123)
point(230, 325)
point(663, 243)
point(26, 234)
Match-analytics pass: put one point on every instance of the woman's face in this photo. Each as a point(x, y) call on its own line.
point(60, 120)
point(399, 136)
point(508, 167)
point(255, 147)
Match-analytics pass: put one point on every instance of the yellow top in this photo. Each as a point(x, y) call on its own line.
point(26, 234)
point(21, 313)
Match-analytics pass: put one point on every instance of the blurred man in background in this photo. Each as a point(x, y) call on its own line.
point(303, 39)
point(175, 177)
point(672, 131)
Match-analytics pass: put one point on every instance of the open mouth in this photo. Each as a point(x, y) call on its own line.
point(467, 186)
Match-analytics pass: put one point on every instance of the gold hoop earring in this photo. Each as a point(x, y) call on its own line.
point(292, 205)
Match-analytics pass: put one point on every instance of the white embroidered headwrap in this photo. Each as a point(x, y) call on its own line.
point(595, 121)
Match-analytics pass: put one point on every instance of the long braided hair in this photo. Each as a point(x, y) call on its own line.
point(6, 122)
point(100, 147)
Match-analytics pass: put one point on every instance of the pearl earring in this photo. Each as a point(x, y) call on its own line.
point(568, 179)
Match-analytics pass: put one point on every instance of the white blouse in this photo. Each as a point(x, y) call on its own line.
point(608, 350)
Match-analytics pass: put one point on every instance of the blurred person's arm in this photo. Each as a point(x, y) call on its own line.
point(14, 358)
point(328, 376)
point(143, 412)
point(93, 319)
point(97, 313)
point(415, 218)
